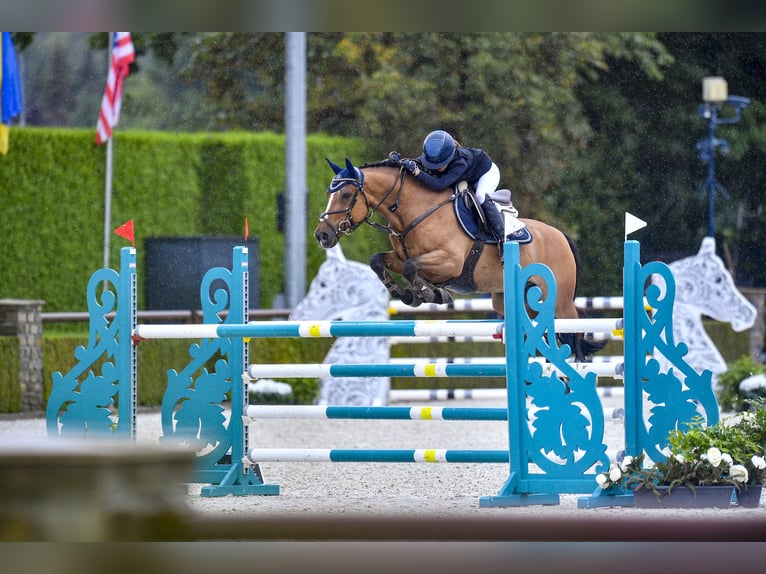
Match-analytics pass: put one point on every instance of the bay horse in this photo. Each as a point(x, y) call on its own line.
point(431, 251)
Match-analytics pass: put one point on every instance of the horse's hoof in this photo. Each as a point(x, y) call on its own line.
point(442, 297)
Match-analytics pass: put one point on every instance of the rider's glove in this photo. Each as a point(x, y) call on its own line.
point(411, 166)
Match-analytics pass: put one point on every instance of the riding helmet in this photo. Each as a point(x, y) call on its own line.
point(438, 149)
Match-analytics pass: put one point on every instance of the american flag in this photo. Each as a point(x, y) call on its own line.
point(122, 55)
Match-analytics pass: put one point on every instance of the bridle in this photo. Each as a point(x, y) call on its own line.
point(347, 225)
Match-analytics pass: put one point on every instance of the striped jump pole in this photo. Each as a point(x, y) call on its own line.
point(322, 370)
point(262, 412)
point(309, 329)
point(603, 368)
point(430, 455)
point(376, 413)
point(414, 369)
point(259, 455)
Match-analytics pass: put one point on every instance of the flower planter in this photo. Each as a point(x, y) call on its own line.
point(750, 497)
point(683, 497)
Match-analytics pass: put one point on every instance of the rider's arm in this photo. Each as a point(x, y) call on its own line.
point(454, 173)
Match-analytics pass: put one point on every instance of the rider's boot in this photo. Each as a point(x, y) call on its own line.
point(495, 221)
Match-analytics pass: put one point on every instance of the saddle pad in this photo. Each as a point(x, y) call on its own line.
point(467, 218)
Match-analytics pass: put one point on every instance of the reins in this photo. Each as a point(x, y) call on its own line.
point(400, 235)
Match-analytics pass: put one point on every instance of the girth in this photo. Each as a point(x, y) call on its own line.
point(464, 283)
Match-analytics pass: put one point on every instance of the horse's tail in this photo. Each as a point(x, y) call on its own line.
point(581, 346)
point(576, 255)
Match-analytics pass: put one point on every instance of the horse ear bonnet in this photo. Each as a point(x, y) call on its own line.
point(336, 168)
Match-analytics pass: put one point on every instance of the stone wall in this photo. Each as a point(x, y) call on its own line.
point(22, 319)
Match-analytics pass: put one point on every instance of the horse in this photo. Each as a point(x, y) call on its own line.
point(432, 251)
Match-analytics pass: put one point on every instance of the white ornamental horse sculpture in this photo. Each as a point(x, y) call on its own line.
point(346, 290)
point(705, 287)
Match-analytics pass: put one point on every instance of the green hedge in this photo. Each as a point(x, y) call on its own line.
point(171, 185)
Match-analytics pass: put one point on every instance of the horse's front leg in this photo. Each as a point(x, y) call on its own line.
point(422, 290)
point(380, 264)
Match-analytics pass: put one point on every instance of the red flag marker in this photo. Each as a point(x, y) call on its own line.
point(126, 230)
point(247, 231)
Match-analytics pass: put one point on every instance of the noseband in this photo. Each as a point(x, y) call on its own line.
point(347, 225)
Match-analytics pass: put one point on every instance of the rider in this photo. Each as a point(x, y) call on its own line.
point(450, 163)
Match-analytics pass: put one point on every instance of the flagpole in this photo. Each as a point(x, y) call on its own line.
point(108, 182)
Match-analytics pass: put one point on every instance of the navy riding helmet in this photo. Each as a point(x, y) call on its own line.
point(438, 149)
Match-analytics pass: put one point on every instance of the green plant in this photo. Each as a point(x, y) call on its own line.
point(729, 395)
point(731, 452)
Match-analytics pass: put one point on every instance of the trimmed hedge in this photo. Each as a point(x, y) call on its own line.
point(171, 185)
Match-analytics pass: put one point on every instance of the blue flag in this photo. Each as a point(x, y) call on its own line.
point(10, 89)
point(11, 82)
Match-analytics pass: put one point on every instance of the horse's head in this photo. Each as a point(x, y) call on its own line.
point(344, 213)
point(703, 282)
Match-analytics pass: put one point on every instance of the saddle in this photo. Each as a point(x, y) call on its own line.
point(471, 217)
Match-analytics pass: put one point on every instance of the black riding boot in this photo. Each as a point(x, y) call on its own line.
point(495, 221)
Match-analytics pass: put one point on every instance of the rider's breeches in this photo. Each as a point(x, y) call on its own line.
point(487, 183)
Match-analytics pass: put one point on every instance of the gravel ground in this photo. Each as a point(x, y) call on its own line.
point(382, 489)
point(363, 517)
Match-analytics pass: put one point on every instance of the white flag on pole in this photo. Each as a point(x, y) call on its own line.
point(632, 223)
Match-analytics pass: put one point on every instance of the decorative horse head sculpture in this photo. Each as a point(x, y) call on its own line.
point(705, 287)
point(346, 290)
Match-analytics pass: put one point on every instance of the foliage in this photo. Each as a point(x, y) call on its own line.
point(729, 395)
point(584, 126)
point(731, 452)
point(172, 185)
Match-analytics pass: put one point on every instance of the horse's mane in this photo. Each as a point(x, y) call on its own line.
point(388, 162)
point(396, 164)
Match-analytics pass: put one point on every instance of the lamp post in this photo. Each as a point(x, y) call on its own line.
point(715, 96)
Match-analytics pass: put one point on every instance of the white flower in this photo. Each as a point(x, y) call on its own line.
point(738, 473)
point(615, 474)
point(626, 462)
point(758, 462)
point(601, 479)
point(726, 457)
point(714, 456)
point(679, 458)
